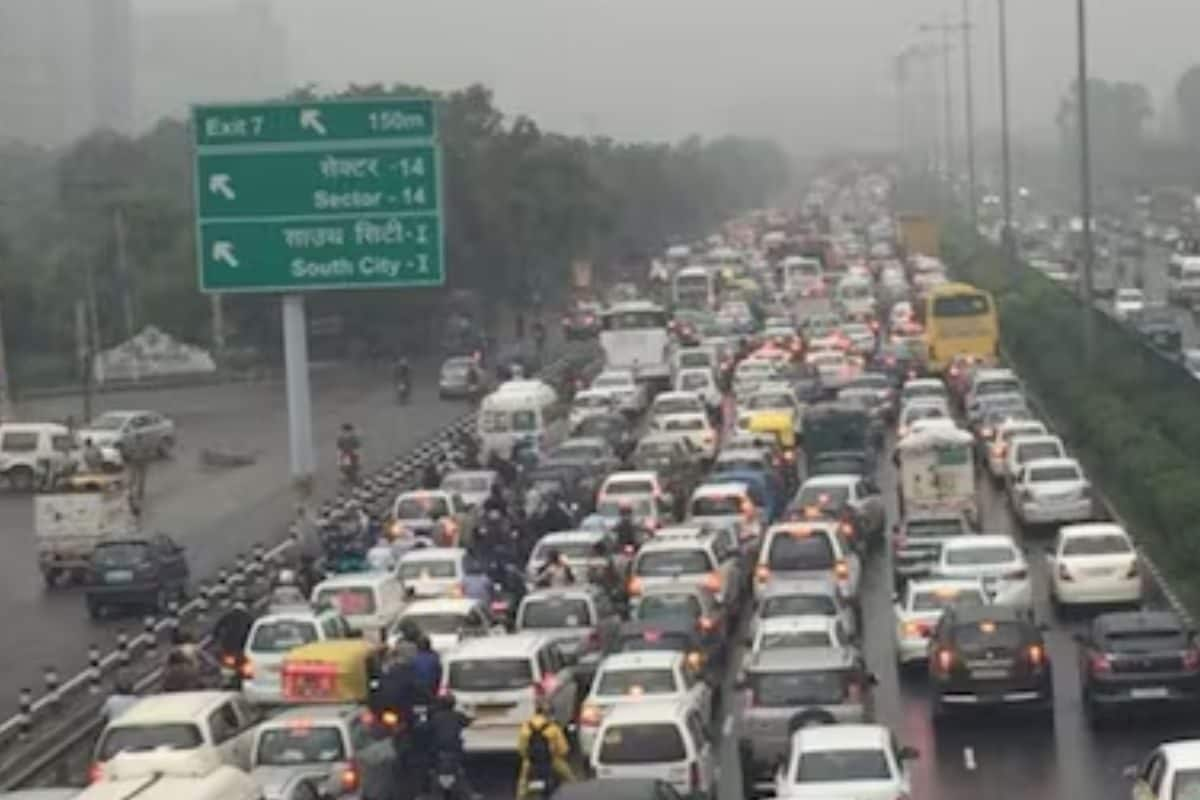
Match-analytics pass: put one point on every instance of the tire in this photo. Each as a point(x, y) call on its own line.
point(21, 479)
point(165, 446)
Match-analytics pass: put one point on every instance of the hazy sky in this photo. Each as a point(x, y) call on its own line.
point(810, 71)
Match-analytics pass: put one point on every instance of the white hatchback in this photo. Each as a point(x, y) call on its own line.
point(1094, 563)
point(1052, 491)
point(668, 741)
point(845, 762)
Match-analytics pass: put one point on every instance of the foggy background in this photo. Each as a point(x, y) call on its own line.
point(812, 73)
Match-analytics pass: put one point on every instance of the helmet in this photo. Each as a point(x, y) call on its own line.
point(286, 577)
point(494, 515)
point(409, 630)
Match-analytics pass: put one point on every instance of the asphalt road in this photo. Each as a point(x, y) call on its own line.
point(215, 514)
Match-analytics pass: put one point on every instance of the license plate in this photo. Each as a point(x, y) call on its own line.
point(537, 786)
point(1149, 693)
point(989, 674)
point(490, 712)
point(447, 781)
point(119, 576)
point(1097, 572)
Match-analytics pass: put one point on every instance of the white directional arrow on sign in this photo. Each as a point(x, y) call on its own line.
point(222, 184)
point(310, 118)
point(223, 251)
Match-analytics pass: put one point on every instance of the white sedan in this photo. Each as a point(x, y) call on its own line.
point(844, 762)
point(919, 609)
point(1050, 491)
point(1094, 563)
point(1128, 302)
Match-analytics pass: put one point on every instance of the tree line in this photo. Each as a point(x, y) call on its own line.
point(111, 217)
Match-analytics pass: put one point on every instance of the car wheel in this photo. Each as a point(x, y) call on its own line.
point(21, 479)
point(165, 446)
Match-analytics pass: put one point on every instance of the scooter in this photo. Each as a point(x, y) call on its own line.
point(403, 391)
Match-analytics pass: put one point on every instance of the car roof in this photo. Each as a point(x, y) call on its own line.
point(1052, 462)
point(434, 554)
point(507, 645)
point(801, 659)
point(1086, 529)
point(168, 706)
point(316, 713)
point(641, 659)
point(440, 605)
point(821, 738)
point(633, 475)
point(1034, 438)
point(979, 540)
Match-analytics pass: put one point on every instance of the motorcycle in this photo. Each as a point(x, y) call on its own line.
point(543, 783)
point(447, 777)
point(403, 391)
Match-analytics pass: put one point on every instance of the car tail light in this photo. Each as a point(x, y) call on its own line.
point(95, 772)
point(986, 433)
point(944, 661)
point(1132, 572)
point(635, 585)
point(707, 624)
point(350, 777)
point(1036, 655)
point(389, 718)
point(499, 606)
point(1064, 574)
point(846, 529)
point(917, 629)
point(1099, 663)
point(712, 581)
point(694, 776)
point(547, 684)
point(1017, 574)
point(590, 715)
point(1191, 659)
point(762, 573)
point(695, 660)
point(841, 569)
point(628, 549)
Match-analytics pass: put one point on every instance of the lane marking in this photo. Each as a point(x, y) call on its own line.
point(969, 758)
point(727, 726)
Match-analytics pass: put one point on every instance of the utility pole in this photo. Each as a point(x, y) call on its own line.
point(1009, 240)
point(1085, 184)
point(946, 29)
point(969, 103)
point(5, 385)
point(93, 318)
point(83, 357)
point(123, 271)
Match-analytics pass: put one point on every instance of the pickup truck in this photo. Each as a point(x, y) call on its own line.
point(68, 526)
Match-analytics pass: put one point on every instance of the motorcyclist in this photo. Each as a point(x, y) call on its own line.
point(427, 664)
point(233, 628)
point(476, 583)
point(543, 748)
point(431, 475)
point(180, 674)
point(402, 693)
point(287, 592)
point(93, 459)
point(556, 571)
point(605, 575)
point(446, 726)
point(496, 501)
point(556, 517)
point(349, 446)
point(626, 528)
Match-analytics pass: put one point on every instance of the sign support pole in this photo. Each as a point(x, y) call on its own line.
point(299, 397)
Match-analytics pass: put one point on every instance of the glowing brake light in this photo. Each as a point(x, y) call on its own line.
point(389, 718)
point(590, 715)
point(548, 684)
point(1037, 656)
point(635, 585)
point(707, 625)
point(712, 581)
point(247, 670)
point(1099, 663)
point(350, 777)
point(841, 569)
point(762, 573)
point(695, 661)
point(912, 629)
point(945, 661)
point(95, 772)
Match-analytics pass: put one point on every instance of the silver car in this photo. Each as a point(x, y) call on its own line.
point(131, 431)
point(787, 689)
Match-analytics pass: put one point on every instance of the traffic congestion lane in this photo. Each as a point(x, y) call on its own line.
point(215, 514)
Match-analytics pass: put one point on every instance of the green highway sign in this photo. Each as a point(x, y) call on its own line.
point(309, 196)
point(358, 253)
point(371, 179)
point(325, 121)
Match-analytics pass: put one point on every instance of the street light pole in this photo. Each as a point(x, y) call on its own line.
point(948, 99)
point(969, 102)
point(1085, 183)
point(1009, 241)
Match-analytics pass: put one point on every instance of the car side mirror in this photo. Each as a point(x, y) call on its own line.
point(907, 753)
point(871, 678)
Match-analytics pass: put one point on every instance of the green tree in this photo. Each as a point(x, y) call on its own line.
point(1118, 114)
point(1187, 97)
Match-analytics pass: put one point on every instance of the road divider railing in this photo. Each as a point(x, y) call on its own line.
point(47, 727)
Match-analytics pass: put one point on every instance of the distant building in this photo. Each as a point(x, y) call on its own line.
point(222, 51)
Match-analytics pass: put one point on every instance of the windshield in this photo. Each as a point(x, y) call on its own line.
point(121, 554)
point(572, 551)
point(1129, 296)
point(837, 766)
point(963, 305)
point(611, 508)
point(787, 639)
point(437, 624)
point(826, 497)
point(694, 380)
point(108, 422)
point(977, 637)
point(1034, 451)
point(629, 486)
point(794, 552)
point(555, 612)
point(798, 605)
point(1186, 785)
point(636, 682)
point(791, 689)
point(979, 555)
point(941, 599)
point(717, 506)
point(770, 401)
point(939, 528)
point(1052, 474)
point(489, 675)
point(349, 601)
point(656, 449)
point(663, 563)
point(668, 607)
point(683, 424)
point(424, 569)
point(677, 405)
point(1096, 545)
point(524, 421)
point(282, 635)
point(577, 452)
point(641, 743)
point(148, 738)
point(592, 401)
point(299, 744)
point(424, 507)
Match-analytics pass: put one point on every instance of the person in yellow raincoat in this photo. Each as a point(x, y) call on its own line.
point(556, 750)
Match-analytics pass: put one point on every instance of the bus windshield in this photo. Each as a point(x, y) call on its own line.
point(635, 320)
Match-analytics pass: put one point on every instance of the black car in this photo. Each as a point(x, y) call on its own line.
point(581, 324)
point(137, 571)
point(618, 789)
point(983, 657)
point(1159, 326)
point(1138, 658)
point(614, 428)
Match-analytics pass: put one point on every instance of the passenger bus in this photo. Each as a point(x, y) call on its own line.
point(959, 320)
point(695, 287)
point(634, 336)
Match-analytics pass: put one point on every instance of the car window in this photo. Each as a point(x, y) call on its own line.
point(789, 689)
point(975, 637)
point(145, 738)
point(19, 442)
point(940, 599)
point(637, 682)
point(223, 723)
point(1096, 545)
point(794, 552)
point(835, 766)
point(642, 743)
point(1065, 472)
point(979, 556)
point(673, 562)
point(300, 744)
point(789, 639)
point(279, 636)
point(555, 612)
point(487, 675)
point(796, 605)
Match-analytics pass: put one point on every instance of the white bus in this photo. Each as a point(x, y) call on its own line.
point(634, 336)
point(694, 287)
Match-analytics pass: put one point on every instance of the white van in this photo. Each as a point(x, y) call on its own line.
point(520, 412)
point(368, 601)
point(668, 741)
point(180, 723)
point(496, 680)
point(26, 448)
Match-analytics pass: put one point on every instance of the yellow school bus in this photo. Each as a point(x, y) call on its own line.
point(960, 320)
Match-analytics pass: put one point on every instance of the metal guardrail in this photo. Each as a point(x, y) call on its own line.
point(374, 492)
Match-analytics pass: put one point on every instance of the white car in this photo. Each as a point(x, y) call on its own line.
point(834, 366)
point(922, 409)
point(668, 741)
point(447, 621)
point(636, 677)
point(472, 485)
point(270, 639)
point(1128, 303)
point(805, 597)
point(433, 572)
point(1170, 772)
point(750, 374)
point(1191, 362)
point(1094, 563)
point(701, 382)
point(696, 428)
point(622, 386)
point(123, 430)
point(862, 337)
point(689, 556)
point(997, 452)
point(807, 550)
point(994, 559)
point(1024, 449)
point(368, 601)
point(923, 388)
point(918, 610)
point(670, 403)
point(590, 403)
point(771, 396)
point(1051, 491)
point(845, 762)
